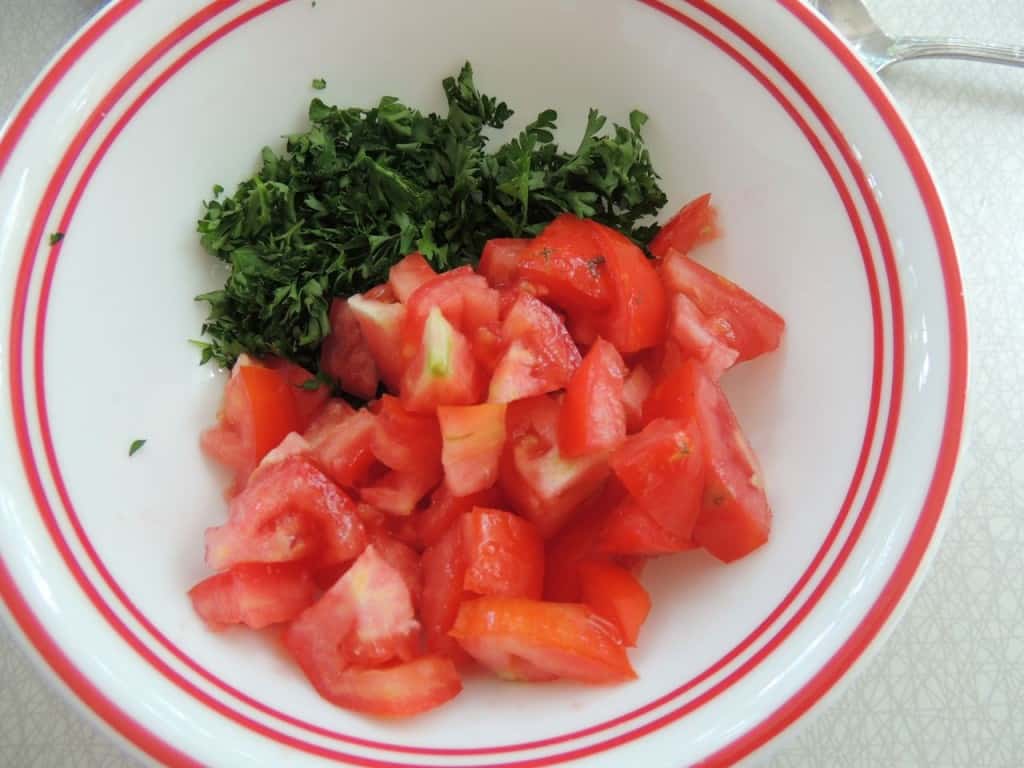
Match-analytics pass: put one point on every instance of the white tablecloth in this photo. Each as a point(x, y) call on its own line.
point(948, 688)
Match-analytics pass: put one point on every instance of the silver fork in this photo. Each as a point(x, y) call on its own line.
point(879, 50)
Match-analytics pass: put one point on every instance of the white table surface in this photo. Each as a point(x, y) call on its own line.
point(948, 687)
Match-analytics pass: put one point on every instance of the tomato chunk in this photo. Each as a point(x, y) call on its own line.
point(408, 275)
point(291, 511)
point(635, 390)
point(662, 467)
point(630, 531)
point(343, 445)
point(696, 337)
point(500, 260)
point(504, 554)
point(404, 441)
point(563, 640)
point(346, 356)
point(443, 371)
point(381, 326)
point(309, 399)
point(593, 417)
point(693, 225)
point(444, 572)
point(256, 595)
point(638, 313)
point(747, 325)
point(568, 263)
point(616, 594)
point(398, 493)
point(399, 691)
point(463, 298)
point(445, 508)
point(473, 438)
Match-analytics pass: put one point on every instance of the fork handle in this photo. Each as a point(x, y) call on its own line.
point(904, 48)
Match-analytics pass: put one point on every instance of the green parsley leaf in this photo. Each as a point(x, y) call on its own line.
point(319, 84)
point(135, 446)
point(361, 187)
point(56, 237)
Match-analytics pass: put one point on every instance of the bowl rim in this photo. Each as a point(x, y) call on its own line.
point(922, 539)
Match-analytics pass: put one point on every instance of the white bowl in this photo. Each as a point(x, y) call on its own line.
point(830, 216)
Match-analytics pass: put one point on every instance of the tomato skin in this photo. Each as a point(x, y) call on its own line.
point(443, 566)
point(500, 260)
point(630, 531)
point(638, 313)
point(404, 441)
point(443, 370)
point(568, 263)
point(504, 554)
point(577, 542)
point(402, 690)
point(746, 324)
point(380, 324)
point(473, 439)
point(616, 594)
point(270, 409)
point(635, 390)
point(408, 275)
point(693, 225)
point(345, 355)
point(290, 512)
point(308, 402)
point(445, 508)
point(254, 594)
point(343, 447)
point(564, 640)
point(662, 467)
point(593, 417)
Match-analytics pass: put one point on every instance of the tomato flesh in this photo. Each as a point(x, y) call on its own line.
point(593, 416)
point(381, 324)
point(346, 356)
point(254, 594)
point(443, 370)
point(616, 594)
point(568, 263)
point(693, 225)
point(504, 554)
point(408, 275)
point(499, 261)
point(473, 439)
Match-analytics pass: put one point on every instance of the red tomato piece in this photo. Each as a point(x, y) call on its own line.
point(662, 467)
point(402, 690)
point(443, 370)
point(638, 313)
point(381, 292)
point(693, 225)
point(462, 296)
point(541, 356)
point(334, 412)
point(635, 390)
point(473, 438)
point(308, 402)
point(500, 259)
point(260, 407)
point(630, 531)
point(256, 595)
point(398, 493)
point(343, 446)
point(404, 560)
point(576, 542)
point(346, 356)
point(408, 275)
point(593, 417)
point(564, 640)
point(568, 262)
point(696, 338)
point(381, 326)
point(290, 512)
point(615, 593)
point(488, 346)
point(444, 571)
point(542, 484)
point(406, 442)
point(504, 554)
point(445, 508)
point(747, 325)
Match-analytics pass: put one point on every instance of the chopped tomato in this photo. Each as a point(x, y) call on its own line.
point(398, 691)
point(381, 326)
point(463, 298)
point(404, 560)
point(696, 337)
point(541, 483)
point(563, 640)
point(334, 412)
point(500, 260)
point(309, 399)
point(504, 554)
point(693, 225)
point(568, 262)
point(408, 275)
point(256, 595)
point(343, 446)
point(443, 370)
point(635, 390)
point(346, 356)
point(615, 593)
point(629, 530)
point(381, 292)
point(747, 325)
point(576, 542)
point(443, 566)
point(473, 438)
point(488, 346)
point(398, 493)
point(541, 356)
point(445, 508)
point(593, 417)
point(407, 442)
point(662, 467)
point(637, 316)
point(290, 512)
